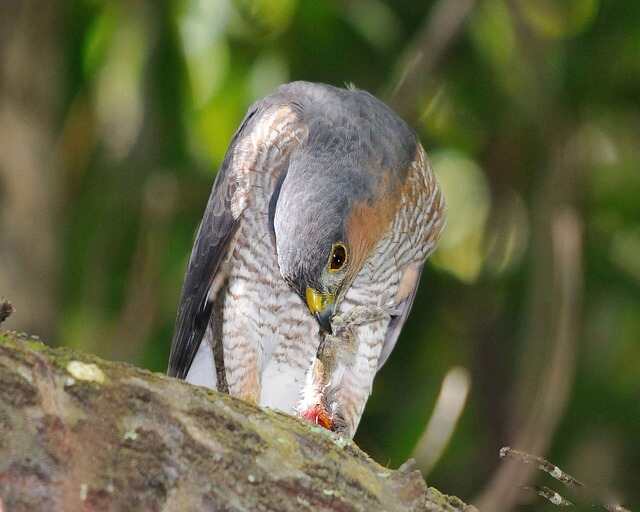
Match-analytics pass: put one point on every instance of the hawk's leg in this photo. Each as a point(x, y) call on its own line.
point(245, 382)
point(241, 342)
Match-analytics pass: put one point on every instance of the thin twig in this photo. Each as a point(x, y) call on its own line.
point(555, 472)
point(551, 496)
point(6, 309)
point(542, 464)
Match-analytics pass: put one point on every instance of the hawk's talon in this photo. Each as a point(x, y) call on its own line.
point(359, 315)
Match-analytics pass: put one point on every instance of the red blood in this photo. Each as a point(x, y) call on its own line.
point(319, 416)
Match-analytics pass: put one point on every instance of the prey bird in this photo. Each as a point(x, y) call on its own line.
point(309, 254)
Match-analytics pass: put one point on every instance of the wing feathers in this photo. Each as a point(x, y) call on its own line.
point(257, 153)
point(400, 316)
point(209, 250)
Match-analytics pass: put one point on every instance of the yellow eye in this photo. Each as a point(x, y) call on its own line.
point(338, 257)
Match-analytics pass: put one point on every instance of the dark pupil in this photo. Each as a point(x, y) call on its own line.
point(337, 258)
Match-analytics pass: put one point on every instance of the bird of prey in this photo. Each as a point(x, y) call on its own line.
point(322, 215)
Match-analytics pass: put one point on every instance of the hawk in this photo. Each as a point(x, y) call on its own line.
point(309, 254)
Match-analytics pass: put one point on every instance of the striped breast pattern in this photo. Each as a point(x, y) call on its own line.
point(269, 338)
point(409, 240)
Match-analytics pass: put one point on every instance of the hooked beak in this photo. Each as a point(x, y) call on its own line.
point(321, 306)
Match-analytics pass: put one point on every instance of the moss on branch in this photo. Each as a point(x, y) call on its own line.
point(81, 433)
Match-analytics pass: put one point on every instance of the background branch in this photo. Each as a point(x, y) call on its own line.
point(422, 55)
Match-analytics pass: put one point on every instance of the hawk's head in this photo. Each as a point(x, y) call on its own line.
point(329, 214)
point(340, 192)
point(318, 254)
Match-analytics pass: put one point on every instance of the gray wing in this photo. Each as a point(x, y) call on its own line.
point(210, 249)
point(397, 321)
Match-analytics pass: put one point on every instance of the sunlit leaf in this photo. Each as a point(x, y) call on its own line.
point(468, 202)
point(266, 17)
point(559, 19)
point(375, 21)
point(99, 38)
point(118, 87)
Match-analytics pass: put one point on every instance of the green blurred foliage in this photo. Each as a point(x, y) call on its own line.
point(154, 91)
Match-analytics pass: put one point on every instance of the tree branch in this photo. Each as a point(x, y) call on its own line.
point(80, 433)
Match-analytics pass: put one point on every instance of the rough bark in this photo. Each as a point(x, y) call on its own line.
point(80, 433)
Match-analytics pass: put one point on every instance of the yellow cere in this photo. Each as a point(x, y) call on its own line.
point(316, 301)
